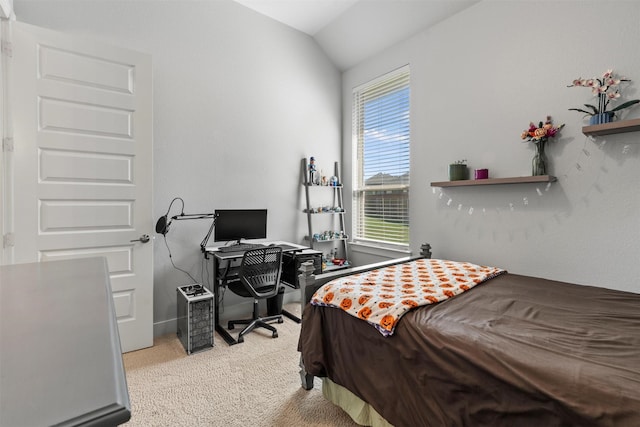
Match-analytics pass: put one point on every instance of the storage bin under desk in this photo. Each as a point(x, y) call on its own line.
point(291, 264)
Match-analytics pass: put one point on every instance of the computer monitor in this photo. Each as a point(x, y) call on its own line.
point(237, 224)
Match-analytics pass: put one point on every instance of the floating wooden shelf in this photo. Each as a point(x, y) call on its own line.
point(496, 181)
point(335, 225)
point(612, 127)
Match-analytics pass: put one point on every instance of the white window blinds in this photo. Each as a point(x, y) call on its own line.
point(381, 146)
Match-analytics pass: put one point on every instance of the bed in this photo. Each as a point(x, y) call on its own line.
point(511, 351)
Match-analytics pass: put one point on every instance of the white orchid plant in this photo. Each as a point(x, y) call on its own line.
point(607, 89)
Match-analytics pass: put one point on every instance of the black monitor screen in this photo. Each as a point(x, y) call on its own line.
point(237, 224)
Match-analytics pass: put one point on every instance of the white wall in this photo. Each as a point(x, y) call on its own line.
point(239, 100)
point(478, 79)
point(238, 93)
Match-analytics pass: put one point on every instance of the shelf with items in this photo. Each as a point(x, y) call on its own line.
point(496, 181)
point(321, 239)
point(324, 210)
point(611, 128)
point(326, 214)
point(322, 186)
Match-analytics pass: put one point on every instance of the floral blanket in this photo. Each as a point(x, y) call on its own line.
point(382, 296)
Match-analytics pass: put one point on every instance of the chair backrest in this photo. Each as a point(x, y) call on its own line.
point(260, 271)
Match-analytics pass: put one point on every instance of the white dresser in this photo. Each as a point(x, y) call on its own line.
point(60, 357)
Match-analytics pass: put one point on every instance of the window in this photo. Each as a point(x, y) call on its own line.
point(381, 160)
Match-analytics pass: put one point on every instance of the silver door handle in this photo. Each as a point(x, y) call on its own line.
point(144, 239)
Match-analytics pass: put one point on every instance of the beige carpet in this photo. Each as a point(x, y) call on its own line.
point(256, 383)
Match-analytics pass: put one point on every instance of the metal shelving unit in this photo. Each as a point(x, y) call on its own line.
point(325, 221)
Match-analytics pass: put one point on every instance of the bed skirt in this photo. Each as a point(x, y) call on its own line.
point(359, 410)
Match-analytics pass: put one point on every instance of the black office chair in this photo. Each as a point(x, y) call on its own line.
point(259, 278)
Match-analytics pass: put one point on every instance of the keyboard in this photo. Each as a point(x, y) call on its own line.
point(240, 247)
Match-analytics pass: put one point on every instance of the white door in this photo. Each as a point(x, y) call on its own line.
point(82, 183)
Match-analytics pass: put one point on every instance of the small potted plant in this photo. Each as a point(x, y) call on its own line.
point(458, 171)
point(607, 89)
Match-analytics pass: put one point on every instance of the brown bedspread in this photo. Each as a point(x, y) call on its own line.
point(514, 351)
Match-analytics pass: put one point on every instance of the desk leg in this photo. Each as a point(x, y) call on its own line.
point(285, 312)
point(216, 296)
point(291, 316)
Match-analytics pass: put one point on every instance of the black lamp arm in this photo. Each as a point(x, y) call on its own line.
point(183, 216)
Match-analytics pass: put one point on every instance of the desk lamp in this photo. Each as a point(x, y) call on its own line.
point(163, 223)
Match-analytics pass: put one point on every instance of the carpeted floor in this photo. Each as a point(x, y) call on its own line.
point(256, 383)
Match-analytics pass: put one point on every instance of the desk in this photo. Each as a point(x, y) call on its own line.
point(227, 258)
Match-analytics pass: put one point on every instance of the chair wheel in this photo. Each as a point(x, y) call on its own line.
point(280, 320)
point(230, 326)
point(240, 340)
point(274, 335)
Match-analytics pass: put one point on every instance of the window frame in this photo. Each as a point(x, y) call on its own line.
point(390, 82)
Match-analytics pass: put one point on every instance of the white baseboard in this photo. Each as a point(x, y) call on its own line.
point(165, 327)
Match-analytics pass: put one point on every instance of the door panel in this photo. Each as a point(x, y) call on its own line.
point(83, 70)
point(88, 167)
point(82, 117)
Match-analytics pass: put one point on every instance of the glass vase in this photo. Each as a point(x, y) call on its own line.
point(539, 162)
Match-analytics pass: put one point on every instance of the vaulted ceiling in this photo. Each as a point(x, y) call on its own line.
point(350, 31)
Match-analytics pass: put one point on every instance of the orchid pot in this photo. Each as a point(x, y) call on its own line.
point(598, 119)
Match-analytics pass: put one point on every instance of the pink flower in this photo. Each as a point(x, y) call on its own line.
point(613, 95)
point(578, 82)
point(607, 74)
point(590, 83)
point(541, 132)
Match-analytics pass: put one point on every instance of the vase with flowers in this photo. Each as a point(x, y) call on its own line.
point(539, 135)
point(606, 89)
